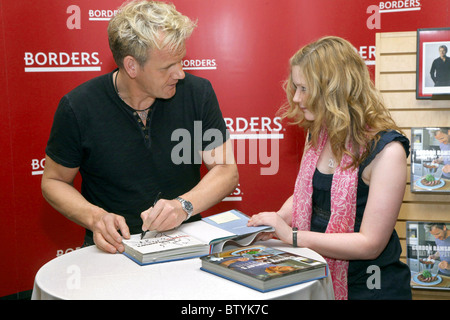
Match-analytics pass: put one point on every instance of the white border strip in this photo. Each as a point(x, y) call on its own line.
point(232, 199)
point(199, 68)
point(257, 136)
point(399, 10)
point(61, 69)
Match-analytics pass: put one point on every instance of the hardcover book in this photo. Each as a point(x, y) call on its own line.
point(428, 254)
point(430, 160)
point(263, 268)
point(193, 239)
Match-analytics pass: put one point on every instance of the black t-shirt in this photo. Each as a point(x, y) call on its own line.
point(123, 164)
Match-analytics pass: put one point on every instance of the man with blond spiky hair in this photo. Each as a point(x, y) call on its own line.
point(117, 131)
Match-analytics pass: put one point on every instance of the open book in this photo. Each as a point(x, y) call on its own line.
point(195, 239)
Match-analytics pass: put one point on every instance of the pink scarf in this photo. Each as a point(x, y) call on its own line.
point(343, 206)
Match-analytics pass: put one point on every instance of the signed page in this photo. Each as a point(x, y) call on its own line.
point(161, 241)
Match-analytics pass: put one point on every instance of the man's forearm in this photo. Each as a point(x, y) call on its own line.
point(68, 201)
point(218, 183)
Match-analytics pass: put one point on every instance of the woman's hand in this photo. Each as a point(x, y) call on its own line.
point(282, 229)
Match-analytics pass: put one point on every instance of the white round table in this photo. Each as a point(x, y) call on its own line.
point(89, 274)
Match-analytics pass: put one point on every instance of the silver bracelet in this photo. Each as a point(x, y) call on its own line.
point(294, 237)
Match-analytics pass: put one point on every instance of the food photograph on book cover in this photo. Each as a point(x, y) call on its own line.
point(430, 159)
point(428, 254)
point(264, 263)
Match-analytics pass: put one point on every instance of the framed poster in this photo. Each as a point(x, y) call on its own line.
point(428, 254)
point(430, 160)
point(433, 64)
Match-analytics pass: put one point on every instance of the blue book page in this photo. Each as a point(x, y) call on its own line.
point(235, 222)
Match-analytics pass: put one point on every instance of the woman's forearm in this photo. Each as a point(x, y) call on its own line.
point(343, 246)
point(286, 210)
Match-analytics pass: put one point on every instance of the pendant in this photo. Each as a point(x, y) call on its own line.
point(331, 163)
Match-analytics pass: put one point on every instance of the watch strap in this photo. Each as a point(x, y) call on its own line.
point(187, 207)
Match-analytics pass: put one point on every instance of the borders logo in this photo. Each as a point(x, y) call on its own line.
point(199, 64)
point(399, 6)
point(101, 15)
point(37, 166)
point(368, 54)
point(61, 61)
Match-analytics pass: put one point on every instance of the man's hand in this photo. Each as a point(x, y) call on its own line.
point(165, 215)
point(105, 230)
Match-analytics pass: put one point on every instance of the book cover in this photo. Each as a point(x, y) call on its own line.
point(430, 160)
point(263, 268)
point(428, 254)
point(235, 222)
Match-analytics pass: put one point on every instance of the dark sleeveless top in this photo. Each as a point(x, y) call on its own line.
point(395, 276)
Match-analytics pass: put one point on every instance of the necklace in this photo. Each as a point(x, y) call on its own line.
point(331, 163)
point(143, 114)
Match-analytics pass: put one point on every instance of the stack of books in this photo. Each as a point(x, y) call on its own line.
point(194, 239)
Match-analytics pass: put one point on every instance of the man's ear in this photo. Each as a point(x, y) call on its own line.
point(130, 65)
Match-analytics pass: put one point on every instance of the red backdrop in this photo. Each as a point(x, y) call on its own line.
point(242, 46)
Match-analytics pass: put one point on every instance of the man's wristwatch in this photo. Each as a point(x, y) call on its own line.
point(187, 207)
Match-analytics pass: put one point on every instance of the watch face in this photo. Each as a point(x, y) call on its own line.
point(188, 206)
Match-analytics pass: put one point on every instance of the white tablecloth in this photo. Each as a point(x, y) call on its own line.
point(89, 273)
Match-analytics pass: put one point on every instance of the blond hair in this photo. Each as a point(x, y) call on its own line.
point(143, 25)
point(341, 96)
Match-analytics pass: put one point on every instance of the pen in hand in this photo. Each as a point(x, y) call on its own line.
point(156, 200)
